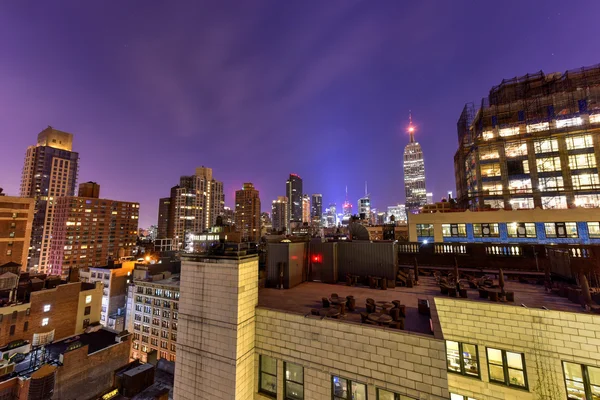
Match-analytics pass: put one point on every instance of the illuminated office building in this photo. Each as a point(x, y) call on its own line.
point(247, 213)
point(279, 214)
point(293, 190)
point(414, 174)
point(306, 208)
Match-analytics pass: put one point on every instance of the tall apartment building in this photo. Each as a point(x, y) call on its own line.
point(115, 279)
point(16, 219)
point(316, 208)
point(293, 191)
point(87, 231)
point(279, 214)
point(164, 208)
point(50, 171)
point(247, 213)
point(533, 142)
point(306, 208)
point(152, 316)
point(194, 206)
point(414, 173)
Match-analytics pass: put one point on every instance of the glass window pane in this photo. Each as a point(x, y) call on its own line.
point(384, 395)
point(470, 359)
point(494, 356)
point(575, 390)
point(294, 373)
point(359, 391)
point(446, 231)
point(594, 375)
point(268, 365)
point(340, 387)
point(514, 360)
point(294, 391)
point(516, 377)
point(496, 373)
point(573, 371)
point(454, 396)
point(268, 383)
point(453, 356)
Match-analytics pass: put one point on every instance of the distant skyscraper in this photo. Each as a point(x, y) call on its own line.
point(279, 214)
point(414, 173)
point(293, 190)
point(399, 213)
point(429, 198)
point(164, 208)
point(228, 216)
point(50, 171)
point(194, 206)
point(306, 208)
point(247, 213)
point(331, 215)
point(364, 205)
point(316, 208)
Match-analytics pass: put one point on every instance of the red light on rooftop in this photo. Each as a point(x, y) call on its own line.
point(317, 258)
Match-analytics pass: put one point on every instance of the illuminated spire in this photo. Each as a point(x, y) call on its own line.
point(411, 128)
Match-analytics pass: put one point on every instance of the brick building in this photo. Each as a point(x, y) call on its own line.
point(16, 218)
point(247, 213)
point(88, 231)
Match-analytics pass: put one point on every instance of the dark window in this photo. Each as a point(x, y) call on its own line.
point(424, 229)
point(507, 367)
point(294, 382)
point(383, 394)
point(86, 323)
point(14, 315)
point(515, 167)
point(88, 310)
point(462, 358)
point(345, 389)
point(12, 330)
point(268, 376)
point(25, 326)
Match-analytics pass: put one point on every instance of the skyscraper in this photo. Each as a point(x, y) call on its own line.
point(306, 208)
point(195, 205)
point(279, 214)
point(364, 206)
point(316, 209)
point(88, 230)
point(293, 190)
point(49, 172)
point(164, 208)
point(247, 213)
point(414, 173)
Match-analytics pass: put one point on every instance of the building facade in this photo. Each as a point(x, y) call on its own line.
point(279, 214)
point(152, 316)
point(537, 226)
point(88, 231)
point(316, 209)
point(16, 219)
point(194, 206)
point(399, 213)
point(306, 209)
point(164, 208)
point(414, 174)
point(293, 191)
point(247, 213)
point(115, 279)
point(533, 142)
point(364, 208)
point(50, 171)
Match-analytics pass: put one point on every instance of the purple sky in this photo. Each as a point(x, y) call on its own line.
point(257, 90)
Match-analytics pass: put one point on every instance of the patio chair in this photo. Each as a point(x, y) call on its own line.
point(325, 302)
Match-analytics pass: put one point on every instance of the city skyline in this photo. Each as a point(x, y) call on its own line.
point(334, 100)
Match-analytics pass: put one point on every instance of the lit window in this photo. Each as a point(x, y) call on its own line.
point(548, 164)
point(595, 119)
point(554, 202)
point(424, 230)
point(521, 229)
point(550, 183)
point(561, 229)
point(88, 299)
point(294, 382)
point(582, 381)
point(585, 181)
point(579, 142)
point(489, 170)
point(462, 358)
point(520, 203)
point(564, 123)
point(345, 389)
point(488, 153)
point(509, 131)
point(515, 149)
point(492, 188)
point(454, 230)
point(545, 146)
point(579, 161)
point(594, 230)
point(46, 307)
point(486, 230)
point(45, 321)
point(268, 375)
point(507, 367)
point(487, 135)
point(454, 396)
point(542, 126)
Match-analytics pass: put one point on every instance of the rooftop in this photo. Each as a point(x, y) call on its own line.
point(306, 296)
point(173, 280)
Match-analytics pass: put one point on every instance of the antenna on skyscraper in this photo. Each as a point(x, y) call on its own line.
point(411, 128)
point(366, 191)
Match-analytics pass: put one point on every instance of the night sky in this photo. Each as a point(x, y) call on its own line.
point(259, 89)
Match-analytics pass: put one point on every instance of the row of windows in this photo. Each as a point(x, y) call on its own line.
point(546, 164)
point(514, 230)
point(169, 294)
point(515, 149)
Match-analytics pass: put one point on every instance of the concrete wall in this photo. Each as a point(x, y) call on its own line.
point(95, 307)
point(402, 362)
point(545, 337)
point(215, 343)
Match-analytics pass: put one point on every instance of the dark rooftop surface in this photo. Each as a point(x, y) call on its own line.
point(95, 340)
point(163, 382)
point(306, 296)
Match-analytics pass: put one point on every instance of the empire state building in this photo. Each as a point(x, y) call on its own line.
point(414, 173)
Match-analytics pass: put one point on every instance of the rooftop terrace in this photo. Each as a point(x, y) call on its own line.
point(306, 296)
